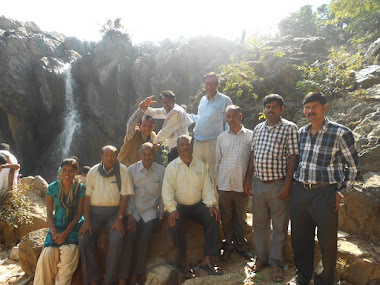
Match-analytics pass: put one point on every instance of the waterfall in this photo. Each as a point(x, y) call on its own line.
point(71, 122)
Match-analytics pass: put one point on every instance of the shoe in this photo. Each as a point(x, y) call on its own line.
point(186, 271)
point(259, 265)
point(247, 255)
point(212, 269)
point(277, 274)
point(225, 254)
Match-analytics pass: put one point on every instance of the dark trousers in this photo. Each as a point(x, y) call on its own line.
point(201, 214)
point(310, 208)
point(100, 216)
point(136, 249)
point(172, 154)
point(233, 211)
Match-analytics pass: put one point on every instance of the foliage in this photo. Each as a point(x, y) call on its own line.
point(361, 18)
point(13, 207)
point(164, 153)
point(333, 77)
point(299, 24)
point(111, 27)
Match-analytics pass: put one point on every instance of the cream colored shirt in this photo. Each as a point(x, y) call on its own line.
point(187, 185)
point(104, 191)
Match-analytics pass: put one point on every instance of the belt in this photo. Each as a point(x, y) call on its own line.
point(273, 181)
point(314, 186)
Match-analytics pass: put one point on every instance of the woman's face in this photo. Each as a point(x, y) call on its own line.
point(68, 173)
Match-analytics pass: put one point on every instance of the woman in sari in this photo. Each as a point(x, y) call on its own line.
point(60, 255)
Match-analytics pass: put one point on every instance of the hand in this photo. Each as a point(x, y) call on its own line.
point(118, 225)
point(285, 191)
point(157, 147)
point(59, 238)
point(338, 200)
point(86, 227)
point(173, 216)
point(214, 212)
point(147, 102)
point(248, 188)
point(131, 224)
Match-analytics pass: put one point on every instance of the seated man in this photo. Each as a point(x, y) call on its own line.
point(188, 192)
point(7, 177)
point(144, 208)
point(108, 186)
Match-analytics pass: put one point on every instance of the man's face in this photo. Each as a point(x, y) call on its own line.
point(147, 157)
point(184, 147)
point(314, 111)
point(146, 127)
point(109, 158)
point(233, 118)
point(210, 85)
point(168, 104)
point(68, 173)
point(273, 111)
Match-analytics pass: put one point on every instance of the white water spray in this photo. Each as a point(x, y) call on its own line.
point(71, 119)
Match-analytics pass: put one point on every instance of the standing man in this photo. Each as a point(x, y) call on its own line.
point(144, 210)
point(327, 168)
point(273, 161)
point(108, 185)
point(7, 177)
point(176, 121)
point(189, 193)
point(139, 130)
point(233, 149)
point(210, 121)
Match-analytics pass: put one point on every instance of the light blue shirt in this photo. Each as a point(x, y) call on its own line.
point(211, 118)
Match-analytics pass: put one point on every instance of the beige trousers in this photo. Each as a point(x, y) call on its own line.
point(56, 265)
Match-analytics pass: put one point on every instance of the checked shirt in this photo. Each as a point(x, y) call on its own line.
point(272, 146)
point(329, 156)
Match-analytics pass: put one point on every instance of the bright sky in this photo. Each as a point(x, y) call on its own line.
point(155, 20)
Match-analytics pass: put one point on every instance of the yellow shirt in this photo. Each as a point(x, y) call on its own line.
point(187, 185)
point(104, 191)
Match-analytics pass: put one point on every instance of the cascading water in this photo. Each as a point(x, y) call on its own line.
point(71, 118)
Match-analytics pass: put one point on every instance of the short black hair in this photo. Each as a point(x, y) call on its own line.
point(315, 97)
point(146, 117)
point(86, 169)
point(70, 161)
point(273, 98)
point(3, 159)
point(168, 94)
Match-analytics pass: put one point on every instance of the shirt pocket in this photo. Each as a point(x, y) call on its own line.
point(278, 149)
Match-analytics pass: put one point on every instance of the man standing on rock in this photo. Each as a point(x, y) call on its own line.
point(176, 121)
point(139, 130)
point(108, 185)
point(273, 161)
point(232, 155)
point(210, 121)
point(328, 165)
point(189, 193)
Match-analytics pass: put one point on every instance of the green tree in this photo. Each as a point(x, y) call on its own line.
point(299, 24)
point(361, 18)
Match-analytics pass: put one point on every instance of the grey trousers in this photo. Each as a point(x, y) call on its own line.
point(267, 207)
point(136, 249)
point(233, 211)
point(310, 208)
point(99, 217)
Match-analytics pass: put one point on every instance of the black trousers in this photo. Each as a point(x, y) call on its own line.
point(311, 208)
point(201, 213)
point(136, 249)
point(233, 211)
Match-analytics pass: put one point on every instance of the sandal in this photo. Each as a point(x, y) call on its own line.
point(277, 274)
point(186, 271)
point(259, 265)
point(212, 269)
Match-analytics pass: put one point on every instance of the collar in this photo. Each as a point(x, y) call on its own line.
point(140, 166)
point(323, 129)
point(179, 161)
point(217, 94)
point(242, 130)
point(275, 126)
point(106, 169)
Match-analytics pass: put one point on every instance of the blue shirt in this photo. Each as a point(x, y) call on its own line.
point(211, 118)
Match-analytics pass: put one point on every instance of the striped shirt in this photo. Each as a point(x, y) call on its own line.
point(329, 156)
point(272, 145)
point(232, 156)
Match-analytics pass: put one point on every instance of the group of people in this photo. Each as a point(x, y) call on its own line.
point(302, 172)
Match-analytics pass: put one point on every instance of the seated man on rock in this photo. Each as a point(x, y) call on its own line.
point(108, 185)
point(189, 193)
point(7, 177)
point(144, 209)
